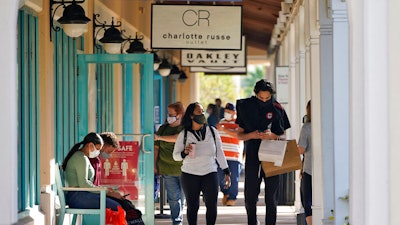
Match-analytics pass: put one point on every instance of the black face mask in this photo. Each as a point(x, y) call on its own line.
point(200, 119)
point(264, 104)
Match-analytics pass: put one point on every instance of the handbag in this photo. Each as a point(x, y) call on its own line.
point(115, 217)
point(272, 151)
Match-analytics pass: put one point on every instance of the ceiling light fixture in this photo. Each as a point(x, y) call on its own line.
point(136, 46)
point(111, 39)
point(182, 78)
point(165, 68)
point(156, 60)
point(73, 21)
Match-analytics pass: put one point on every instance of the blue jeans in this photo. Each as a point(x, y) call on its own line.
point(156, 186)
point(235, 167)
point(88, 200)
point(175, 198)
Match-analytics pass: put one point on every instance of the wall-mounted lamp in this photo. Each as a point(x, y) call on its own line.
point(175, 72)
point(136, 46)
point(74, 21)
point(182, 78)
point(111, 39)
point(165, 68)
point(156, 60)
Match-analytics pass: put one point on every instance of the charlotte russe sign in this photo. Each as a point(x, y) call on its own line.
point(196, 27)
point(211, 58)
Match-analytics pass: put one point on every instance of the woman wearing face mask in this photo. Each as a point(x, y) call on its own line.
point(79, 173)
point(165, 165)
point(199, 147)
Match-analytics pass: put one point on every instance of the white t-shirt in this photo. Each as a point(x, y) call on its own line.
point(206, 153)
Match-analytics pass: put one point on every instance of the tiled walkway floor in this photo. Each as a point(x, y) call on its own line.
point(236, 215)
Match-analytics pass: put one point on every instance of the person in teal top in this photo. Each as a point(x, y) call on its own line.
point(80, 173)
point(165, 165)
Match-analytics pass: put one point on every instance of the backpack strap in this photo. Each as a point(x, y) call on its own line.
point(213, 134)
point(215, 141)
point(185, 136)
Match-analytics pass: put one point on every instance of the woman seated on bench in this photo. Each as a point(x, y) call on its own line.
point(79, 172)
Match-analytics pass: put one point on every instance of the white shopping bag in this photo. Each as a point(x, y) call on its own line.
point(272, 151)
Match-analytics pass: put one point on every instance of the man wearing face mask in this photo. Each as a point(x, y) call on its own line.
point(165, 165)
point(110, 145)
point(232, 147)
point(260, 117)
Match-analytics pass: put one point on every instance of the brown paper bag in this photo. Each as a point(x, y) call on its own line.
point(291, 162)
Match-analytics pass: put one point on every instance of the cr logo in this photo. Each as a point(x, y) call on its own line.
point(191, 17)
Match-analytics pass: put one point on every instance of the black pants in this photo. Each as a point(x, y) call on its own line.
point(253, 177)
point(306, 193)
point(192, 186)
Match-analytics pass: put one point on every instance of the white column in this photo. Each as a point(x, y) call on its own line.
point(394, 108)
point(370, 119)
point(313, 67)
point(9, 113)
point(326, 106)
point(303, 97)
point(340, 110)
point(292, 106)
point(301, 87)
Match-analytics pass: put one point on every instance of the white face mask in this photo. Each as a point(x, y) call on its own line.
point(171, 119)
point(228, 116)
point(95, 153)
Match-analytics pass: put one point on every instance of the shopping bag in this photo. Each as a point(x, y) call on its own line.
point(291, 161)
point(115, 217)
point(272, 151)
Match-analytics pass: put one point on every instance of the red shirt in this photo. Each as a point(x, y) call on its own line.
point(96, 163)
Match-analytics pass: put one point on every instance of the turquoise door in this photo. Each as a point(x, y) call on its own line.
point(137, 119)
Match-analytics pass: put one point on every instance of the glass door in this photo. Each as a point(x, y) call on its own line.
point(135, 114)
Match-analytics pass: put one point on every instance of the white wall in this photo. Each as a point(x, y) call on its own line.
point(8, 118)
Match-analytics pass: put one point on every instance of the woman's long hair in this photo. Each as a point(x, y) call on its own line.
point(186, 119)
point(89, 138)
point(308, 111)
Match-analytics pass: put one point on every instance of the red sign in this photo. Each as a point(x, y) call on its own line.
point(120, 170)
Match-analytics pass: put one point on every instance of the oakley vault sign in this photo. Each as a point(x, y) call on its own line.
point(211, 58)
point(196, 27)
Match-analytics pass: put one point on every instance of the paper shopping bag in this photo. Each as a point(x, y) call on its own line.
point(291, 161)
point(272, 151)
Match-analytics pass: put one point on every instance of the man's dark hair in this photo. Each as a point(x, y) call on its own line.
point(110, 138)
point(264, 85)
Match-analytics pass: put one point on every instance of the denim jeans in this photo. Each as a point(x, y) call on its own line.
point(235, 167)
point(88, 200)
point(175, 198)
